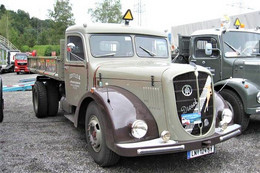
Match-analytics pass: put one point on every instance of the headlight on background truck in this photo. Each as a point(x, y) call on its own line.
point(227, 116)
point(258, 97)
point(139, 129)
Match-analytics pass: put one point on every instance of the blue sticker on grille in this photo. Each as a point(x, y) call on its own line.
point(190, 118)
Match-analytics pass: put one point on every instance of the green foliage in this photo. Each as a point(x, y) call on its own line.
point(48, 51)
point(22, 30)
point(62, 17)
point(25, 48)
point(45, 50)
point(109, 11)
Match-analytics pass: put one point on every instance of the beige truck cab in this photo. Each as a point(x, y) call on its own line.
point(119, 82)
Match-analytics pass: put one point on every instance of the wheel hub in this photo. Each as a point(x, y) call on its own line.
point(94, 133)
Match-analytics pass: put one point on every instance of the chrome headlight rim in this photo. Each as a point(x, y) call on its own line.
point(258, 97)
point(139, 129)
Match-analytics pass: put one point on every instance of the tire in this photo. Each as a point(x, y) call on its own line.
point(1, 102)
point(95, 134)
point(52, 98)
point(240, 117)
point(40, 99)
point(17, 73)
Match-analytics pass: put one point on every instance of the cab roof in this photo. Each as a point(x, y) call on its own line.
point(114, 29)
point(220, 30)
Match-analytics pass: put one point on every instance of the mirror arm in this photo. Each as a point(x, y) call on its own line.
point(220, 52)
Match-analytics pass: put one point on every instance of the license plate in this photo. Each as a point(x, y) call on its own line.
point(200, 152)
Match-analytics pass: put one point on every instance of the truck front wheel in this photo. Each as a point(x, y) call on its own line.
point(40, 99)
point(95, 134)
point(240, 117)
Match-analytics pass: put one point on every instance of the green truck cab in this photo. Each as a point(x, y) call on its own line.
point(119, 82)
point(232, 56)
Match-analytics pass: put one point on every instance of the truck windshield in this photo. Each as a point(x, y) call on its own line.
point(151, 47)
point(111, 46)
point(21, 57)
point(241, 44)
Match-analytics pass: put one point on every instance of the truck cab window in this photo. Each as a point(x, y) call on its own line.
point(77, 52)
point(115, 46)
point(241, 44)
point(148, 47)
point(200, 45)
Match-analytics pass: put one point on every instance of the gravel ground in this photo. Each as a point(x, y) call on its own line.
point(53, 144)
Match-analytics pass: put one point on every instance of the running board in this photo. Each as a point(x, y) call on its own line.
point(69, 117)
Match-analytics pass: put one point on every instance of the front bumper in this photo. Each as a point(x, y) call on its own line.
point(21, 69)
point(157, 146)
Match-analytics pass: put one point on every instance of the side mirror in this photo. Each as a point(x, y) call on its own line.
point(208, 49)
point(70, 47)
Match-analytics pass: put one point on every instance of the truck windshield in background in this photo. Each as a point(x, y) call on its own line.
point(21, 57)
point(151, 47)
point(111, 46)
point(238, 44)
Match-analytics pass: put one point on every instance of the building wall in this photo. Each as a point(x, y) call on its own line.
point(251, 21)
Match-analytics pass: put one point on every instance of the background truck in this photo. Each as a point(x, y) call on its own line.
point(233, 57)
point(20, 63)
point(9, 66)
point(118, 81)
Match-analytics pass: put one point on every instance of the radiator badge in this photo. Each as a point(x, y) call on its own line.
point(186, 90)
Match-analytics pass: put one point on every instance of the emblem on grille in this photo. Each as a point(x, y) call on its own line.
point(186, 90)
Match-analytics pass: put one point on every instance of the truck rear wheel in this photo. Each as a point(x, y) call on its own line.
point(1, 101)
point(40, 99)
point(240, 117)
point(53, 98)
point(95, 134)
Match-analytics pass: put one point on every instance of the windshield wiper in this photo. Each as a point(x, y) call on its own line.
point(231, 47)
point(105, 55)
point(147, 51)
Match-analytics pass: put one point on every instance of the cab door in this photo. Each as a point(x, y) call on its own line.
point(212, 61)
point(75, 69)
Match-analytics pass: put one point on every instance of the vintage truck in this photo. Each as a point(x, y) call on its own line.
point(233, 57)
point(118, 81)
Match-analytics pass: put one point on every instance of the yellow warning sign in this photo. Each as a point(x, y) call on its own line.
point(128, 15)
point(237, 22)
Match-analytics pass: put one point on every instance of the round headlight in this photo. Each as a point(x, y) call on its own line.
point(227, 116)
point(258, 97)
point(139, 129)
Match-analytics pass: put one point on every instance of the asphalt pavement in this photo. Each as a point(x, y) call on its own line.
point(53, 144)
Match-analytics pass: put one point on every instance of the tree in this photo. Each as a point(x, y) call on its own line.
point(63, 17)
point(5, 25)
point(2, 10)
point(107, 12)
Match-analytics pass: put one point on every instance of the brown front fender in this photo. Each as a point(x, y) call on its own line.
point(120, 109)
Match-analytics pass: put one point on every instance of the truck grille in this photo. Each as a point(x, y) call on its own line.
point(196, 117)
point(22, 63)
